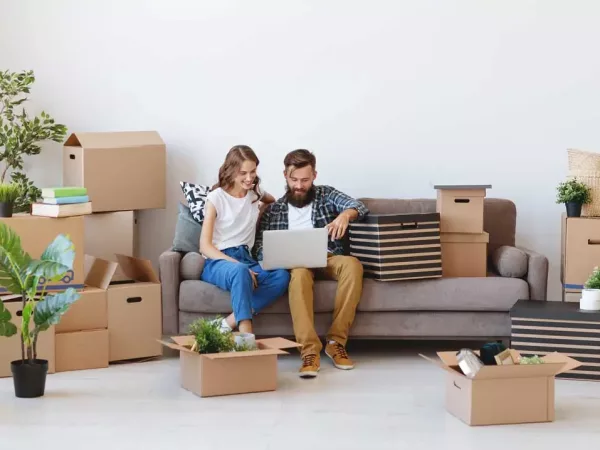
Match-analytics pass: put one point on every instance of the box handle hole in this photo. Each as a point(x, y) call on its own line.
point(72, 156)
point(456, 385)
point(593, 242)
point(20, 313)
point(462, 200)
point(134, 299)
point(409, 226)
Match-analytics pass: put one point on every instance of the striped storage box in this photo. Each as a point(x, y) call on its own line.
point(398, 246)
point(542, 327)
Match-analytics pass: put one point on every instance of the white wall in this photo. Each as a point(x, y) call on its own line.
point(393, 96)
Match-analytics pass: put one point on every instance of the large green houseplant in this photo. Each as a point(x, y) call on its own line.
point(22, 275)
point(21, 134)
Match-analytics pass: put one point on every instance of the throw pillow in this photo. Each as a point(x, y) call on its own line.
point(510, 261)
point(195, 194)
point(187, 232)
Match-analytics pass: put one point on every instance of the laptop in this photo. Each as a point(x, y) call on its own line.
point(291, 249)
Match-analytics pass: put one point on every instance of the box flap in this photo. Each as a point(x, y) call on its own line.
point(183, 340)
point(568, 363)
point(465, 237)
point(138, 269)
point(517, 371)
point(98, 272)
point(443, 366)
point(175, 346)
point(228, 355)
point(278, 343)
point(114, 139)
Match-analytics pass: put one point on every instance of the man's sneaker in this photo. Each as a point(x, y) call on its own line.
point(338, 355)
point(311, 364)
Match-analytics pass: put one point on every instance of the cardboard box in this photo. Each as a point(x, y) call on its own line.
point(229, 373)
point(81, 350)
point(580, 244)
point(109, 234)
point(10, 348)
point(122, 171)
point(464, 254)
point(87, 313)
point(36, 233)
point(499, 395)
point(134, 308)
point(571, 296)
point(461, 207)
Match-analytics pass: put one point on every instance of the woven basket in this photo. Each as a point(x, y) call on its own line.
point(585, 166)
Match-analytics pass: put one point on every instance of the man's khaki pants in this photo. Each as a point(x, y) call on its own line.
point(348, 272)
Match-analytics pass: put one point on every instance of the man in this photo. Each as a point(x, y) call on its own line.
point(307, 205)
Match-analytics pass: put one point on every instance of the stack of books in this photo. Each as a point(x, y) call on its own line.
point(63, 202)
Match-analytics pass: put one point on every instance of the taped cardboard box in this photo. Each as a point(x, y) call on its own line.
point(10, 348)
point(134, 308)
point(80, 350)
point(122, 171)
point(580, 250)
point(461, 207)
point(36, 233)
point(109, 234)
point(209, 375)
point(500, 395)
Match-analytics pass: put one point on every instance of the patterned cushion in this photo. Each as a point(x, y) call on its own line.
point(195, 194)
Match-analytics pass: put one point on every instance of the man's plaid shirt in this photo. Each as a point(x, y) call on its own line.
point(326, 206)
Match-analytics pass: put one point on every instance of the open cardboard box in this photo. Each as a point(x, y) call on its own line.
point(213, 374)
point(507, 394)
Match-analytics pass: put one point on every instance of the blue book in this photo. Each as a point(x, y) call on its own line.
point(65, 200)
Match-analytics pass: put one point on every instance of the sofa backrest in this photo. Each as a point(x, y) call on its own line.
point(499, 215)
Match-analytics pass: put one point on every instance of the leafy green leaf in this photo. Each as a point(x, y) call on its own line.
point(56, 260)
point(13, 260)
point(49, 311)
point(26, 320)
point(7, 328)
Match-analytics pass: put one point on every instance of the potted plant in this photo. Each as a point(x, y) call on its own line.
point(22, 134)
point(209, 338)
point(590, 296)
point(573, 194)
point(22, 275)
point(8, 194)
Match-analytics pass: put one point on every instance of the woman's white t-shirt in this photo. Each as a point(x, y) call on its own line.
point(236, 219)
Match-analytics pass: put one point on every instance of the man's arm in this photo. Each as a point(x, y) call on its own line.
point(264, 224)
point(348, 209)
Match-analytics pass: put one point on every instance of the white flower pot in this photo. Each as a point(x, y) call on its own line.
point(590, 300)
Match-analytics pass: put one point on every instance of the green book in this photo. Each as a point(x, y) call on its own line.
point(67, 191)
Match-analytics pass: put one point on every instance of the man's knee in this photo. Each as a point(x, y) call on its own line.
point(351, 267)
point(301, 275)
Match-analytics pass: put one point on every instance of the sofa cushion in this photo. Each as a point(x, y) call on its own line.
point(443, 294)
point(187, 232)
point(191, 266)
point(195, 194)
point(510, 261)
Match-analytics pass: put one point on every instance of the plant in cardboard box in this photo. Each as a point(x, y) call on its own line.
point(22, 134)
point(590, 295)
point(573, 194)
point(22, 275)
point(8, 194)
point(210, 338)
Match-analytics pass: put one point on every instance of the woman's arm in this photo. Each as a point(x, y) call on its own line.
point(206, 246)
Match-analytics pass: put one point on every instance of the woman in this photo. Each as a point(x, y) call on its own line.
point(230, 218)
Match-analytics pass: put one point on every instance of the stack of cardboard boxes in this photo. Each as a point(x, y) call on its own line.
point(118, 316)
point(580, 253)
point(463, 241)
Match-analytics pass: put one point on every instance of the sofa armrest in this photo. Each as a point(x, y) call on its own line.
point(537, 274)
point(168, 269)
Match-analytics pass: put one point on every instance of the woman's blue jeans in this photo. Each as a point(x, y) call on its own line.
point(236, 278)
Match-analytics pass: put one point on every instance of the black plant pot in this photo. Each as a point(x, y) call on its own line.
point(29, 379)
point(6, 209)
point(573, 209)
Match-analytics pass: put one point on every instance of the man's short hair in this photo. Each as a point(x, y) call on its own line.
point(300, 158)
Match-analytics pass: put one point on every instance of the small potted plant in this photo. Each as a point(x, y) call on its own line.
point(22, 275)
point(590, 296)
point(209, 338)
point(573, 194)
point(8, 194)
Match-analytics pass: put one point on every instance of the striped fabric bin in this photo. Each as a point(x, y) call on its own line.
point(542, 327)
point(395, 247)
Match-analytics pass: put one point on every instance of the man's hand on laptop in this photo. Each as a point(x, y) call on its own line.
point(337, 228)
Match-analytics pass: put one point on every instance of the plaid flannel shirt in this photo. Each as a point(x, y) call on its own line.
point(327, 205)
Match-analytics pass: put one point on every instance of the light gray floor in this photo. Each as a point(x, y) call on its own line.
point(393, 399)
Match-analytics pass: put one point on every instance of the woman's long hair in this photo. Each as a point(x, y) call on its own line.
point(232, 165)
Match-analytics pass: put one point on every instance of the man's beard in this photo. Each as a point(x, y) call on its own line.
point(300, 199)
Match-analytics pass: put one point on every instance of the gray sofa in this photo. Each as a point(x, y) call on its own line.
point(444, 308)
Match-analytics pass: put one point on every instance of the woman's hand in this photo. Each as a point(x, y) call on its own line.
point(254, 279)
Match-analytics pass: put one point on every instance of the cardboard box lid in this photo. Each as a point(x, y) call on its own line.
point(462, 187)
point(554, 364)
point(271, 346)
point(99, 272)
point(467, 238)
point(114, 139)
